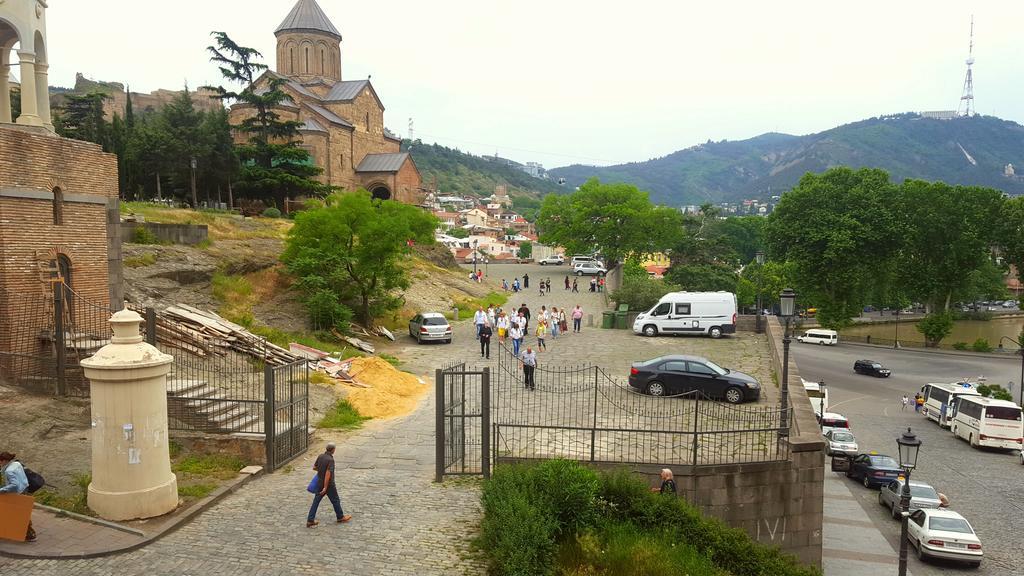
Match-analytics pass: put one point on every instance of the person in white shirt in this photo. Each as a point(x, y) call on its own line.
point(490, 315)
point(516, 334)
point(529, 363)
point(502, 323)
point(479, 318)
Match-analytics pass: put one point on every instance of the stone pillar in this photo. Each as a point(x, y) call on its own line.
point(5, 90)
point(43, 95)
point(131, 468)
point(29, 103)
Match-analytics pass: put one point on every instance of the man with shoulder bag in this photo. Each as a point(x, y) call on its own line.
point(325, 486)
point(19, 480)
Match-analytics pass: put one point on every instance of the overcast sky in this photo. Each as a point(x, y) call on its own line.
point(565, 81)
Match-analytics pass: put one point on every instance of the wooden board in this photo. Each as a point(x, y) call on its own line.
point(16, 511)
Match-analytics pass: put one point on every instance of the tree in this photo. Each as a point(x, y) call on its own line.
point(1010, 235)
point(458, 232)
point(526, 250)
point(81, 117)
point(188, 141)
point(15, 102)
point(641, 292)
point(839, 231)
point(935, 327)
point(273, 166)
point(350, 251)
point(616, 220)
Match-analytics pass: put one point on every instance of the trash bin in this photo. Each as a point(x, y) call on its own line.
point(620, 320)
point(608, 319)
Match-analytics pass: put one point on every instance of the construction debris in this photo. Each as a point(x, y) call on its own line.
point(359, 344)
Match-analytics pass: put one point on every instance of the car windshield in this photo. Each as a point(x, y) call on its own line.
point(876, 366)
point(923, 492)
point(884, 462)
point(950, 524)
point(716, 368)
point(434, 321)
point(834, 423)
point(843, 437)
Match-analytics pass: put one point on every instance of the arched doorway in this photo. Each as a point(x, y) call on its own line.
point(381, 192)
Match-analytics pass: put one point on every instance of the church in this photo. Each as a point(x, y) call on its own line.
point(342, 121)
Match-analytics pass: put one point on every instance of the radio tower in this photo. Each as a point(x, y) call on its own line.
point(966, 107)
point(412, 137)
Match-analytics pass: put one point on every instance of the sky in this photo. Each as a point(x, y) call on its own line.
point(592, 82)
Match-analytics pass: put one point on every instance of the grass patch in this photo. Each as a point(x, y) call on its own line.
point(394, 361)
point(196, 491)
point(220, 224)
point(317, 377)
point(220, 466)
point(204, 244)
point(342, 416)
point(236, 297)
point(147, 259)
point(468, 306)
point(76, 500)
point(623, 549)
point(174, 449)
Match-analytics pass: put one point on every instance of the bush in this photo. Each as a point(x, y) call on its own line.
point(326, 312)
point(981, 345)
point(995, 391)
point(517, 534)
point(935, 327)
point(143, 235)
point(344, 416)
point(251, 207)
point(641, 292)
point(271, 213)
point(960, 346)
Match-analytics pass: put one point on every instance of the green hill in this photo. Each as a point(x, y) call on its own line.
point(906, 145)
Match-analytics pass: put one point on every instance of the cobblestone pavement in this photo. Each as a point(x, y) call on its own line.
point(403, 523)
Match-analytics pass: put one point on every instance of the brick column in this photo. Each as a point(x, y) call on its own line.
point(29, 101)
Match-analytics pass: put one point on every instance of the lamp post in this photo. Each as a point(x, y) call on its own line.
point(475, 244)
point(787, 307)
point(821, 391)
point(487, 270)
point(195, 200)
point(759, 258)
point(909, 446)
point(1021, 352)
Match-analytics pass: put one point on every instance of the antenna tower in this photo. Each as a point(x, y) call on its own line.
point(412, 136)
point(967, 107)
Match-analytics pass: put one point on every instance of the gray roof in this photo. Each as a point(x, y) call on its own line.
point(345, 90)
point(311, 125)
point(330, 116)
point(382, 162)
point(307, 15)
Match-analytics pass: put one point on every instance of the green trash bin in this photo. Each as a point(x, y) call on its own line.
point(608, 319)
point(620, 320)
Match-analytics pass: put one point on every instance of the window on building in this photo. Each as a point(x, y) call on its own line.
point(322, 61)
point(58, 207)
point(342, 161)
point(307, 61)
point(367, 121)
point(291, 60)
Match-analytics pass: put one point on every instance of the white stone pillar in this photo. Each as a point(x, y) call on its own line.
point(29, 104)
point(43, 95)
point(5, 90)
point(131, 468)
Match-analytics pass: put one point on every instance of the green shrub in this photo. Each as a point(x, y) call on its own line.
point(981, 345)
point(146, 259)
point(995, 391)
point(342, 416)
point(517, 534)
point(326, 312)
point(935, 327)
point(623, 549)
point(143, 235)
point(196, 491)
point(960, 346)
point(271, 213)
point(569, 490)
point(76, 501)
point(641, 292)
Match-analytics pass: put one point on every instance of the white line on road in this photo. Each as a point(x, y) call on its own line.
point(854, 399)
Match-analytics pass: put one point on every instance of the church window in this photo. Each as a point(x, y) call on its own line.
point(307, 61)
point(291, 60)
point(367, 121)
point(58, 207)
point(321, 61)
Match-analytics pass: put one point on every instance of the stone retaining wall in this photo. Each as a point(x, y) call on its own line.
point(190, 234)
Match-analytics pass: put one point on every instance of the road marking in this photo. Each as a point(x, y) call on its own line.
point(854, 399)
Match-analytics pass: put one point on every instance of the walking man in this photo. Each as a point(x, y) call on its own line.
point(529, 362)
point(526, 317)
point(903, 402)
point(485, 340)
point(15, 482)
point(324, 467)
point(479, 319)
point(566, 282)
point(526, 280)
point(575, 286)
point(577, 318)
point(516, 334)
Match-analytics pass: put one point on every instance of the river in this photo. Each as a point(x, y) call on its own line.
point(963, 331)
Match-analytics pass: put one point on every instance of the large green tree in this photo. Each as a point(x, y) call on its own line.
point(188, 141)
point(351, 251)
point(81, 117)
point(616, 220)
point(1011, 235)
point(839, 230)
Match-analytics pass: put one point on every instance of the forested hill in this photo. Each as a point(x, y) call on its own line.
point(463, 174)
point(971, 151)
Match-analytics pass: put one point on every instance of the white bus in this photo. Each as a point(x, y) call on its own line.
point(937, 398)
point(988, 422)
point(817, 394)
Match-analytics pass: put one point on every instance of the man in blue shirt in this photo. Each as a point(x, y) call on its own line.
point(15, 482)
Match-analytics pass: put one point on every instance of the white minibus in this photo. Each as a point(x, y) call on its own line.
point(937, 398)
point(819, 336)
point(711, 313)
point(987, 422)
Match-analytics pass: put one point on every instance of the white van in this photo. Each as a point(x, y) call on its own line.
point(711, 313)
point(987, 422)
point(817, 394)
point(939, 397)
point(819, 336)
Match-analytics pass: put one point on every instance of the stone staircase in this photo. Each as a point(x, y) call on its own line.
point(198, 405)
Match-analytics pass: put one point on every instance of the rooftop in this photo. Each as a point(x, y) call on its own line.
point(307, 15)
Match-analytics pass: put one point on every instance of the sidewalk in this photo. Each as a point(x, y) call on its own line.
point(851, 544)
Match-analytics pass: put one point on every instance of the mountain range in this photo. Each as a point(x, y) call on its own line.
point(962, 150)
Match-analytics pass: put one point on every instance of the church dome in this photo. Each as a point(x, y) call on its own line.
point(307, 16)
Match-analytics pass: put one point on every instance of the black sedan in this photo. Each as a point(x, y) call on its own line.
point(672, 375)
point(874, 470)
point(871, 368)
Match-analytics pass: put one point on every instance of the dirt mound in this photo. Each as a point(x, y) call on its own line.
point(391, 392)
point(436, 254)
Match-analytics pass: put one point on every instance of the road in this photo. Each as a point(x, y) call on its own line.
point(985, 486)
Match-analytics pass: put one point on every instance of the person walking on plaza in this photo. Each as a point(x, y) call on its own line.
point(547, 285)
point(563, 324)
point(542, 332)
point(918, 402)
point(575, 286)
point(593, 284)
point(555, 327)
point(479, 318)
point(567, 282)
point(516, 334)
point(324, 467)
point(903, 402)
point(15, 481)
point(577, 318)
point(526, 317)
point(502, 327)
point(515, 284)
point(529, 363)
point(544, 315)
point(526, 280)
point(490, 314)
point(504, 285)
point(485, 340)
point(600, 284)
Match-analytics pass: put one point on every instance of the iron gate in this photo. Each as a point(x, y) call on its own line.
point(286, 412)
point(463, 421)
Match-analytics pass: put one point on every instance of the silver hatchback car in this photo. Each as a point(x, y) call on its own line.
point(921, 496)
point(430, 326)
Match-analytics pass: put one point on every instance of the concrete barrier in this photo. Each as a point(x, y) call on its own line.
point(190, 234)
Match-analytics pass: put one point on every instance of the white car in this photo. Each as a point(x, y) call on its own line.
point(589, 269)
point(555, 260)
point(832, 421)
point(840, 441)
point(941, 533)
point(921, 496)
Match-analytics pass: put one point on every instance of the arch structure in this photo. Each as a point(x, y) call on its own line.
point(23, 23)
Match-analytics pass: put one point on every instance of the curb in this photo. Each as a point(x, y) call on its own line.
point(1004, 355)
point(186, 517)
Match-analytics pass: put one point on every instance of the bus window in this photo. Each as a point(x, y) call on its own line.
point(1003, 413)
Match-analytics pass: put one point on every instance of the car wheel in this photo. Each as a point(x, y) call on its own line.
point(970, 439)
point(881, 501)
point(866, 481)
point(715, 332)
point(542, 263)
point(656, 388)
point(820, 343)
point(1022, 457)
point(733, 395)
point(419, 340)
point(650, 330)
point(579, 273)
point(448, 341)
point(920, 551)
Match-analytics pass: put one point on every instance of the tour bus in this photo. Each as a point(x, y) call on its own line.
point(987, 422)
point(937, 398)
point(711, 313)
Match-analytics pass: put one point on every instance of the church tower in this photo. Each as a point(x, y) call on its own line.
point(308, 45)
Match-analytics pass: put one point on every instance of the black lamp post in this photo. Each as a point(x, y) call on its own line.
point(475, 244)
point(1021, 352)
point(821, 391)
point(787, 308)
point(909, 446)
point(759, 258)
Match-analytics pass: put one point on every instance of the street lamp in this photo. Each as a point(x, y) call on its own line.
point(475, 244)
point(1021, 352)
point(909, 446)
point(787, 307)
point(821, 394)
point(195, 200)
point(487, 271)
point(759, 258)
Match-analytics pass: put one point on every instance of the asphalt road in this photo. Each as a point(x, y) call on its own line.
point(986, 486)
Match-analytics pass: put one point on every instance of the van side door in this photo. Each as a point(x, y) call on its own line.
point(679, 320)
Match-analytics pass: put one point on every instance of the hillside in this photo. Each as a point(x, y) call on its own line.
point(906, 145)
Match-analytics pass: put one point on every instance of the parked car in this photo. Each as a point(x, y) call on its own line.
point(430, 326)
point(554, 260)
point(942, 533)
point(678, 374)
point(840, 441)
point(921, 496)
point(832, 421)
point(589, 269)
point(581, 259)
point(874, 469)
point(871, 368)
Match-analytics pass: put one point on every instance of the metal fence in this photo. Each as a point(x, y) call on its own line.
point(462, 421)
point(286, 412)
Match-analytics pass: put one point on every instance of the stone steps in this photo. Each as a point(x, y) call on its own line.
point(198, 404)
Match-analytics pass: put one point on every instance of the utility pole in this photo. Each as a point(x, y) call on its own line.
point(195, 199)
